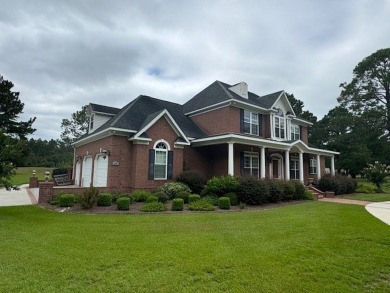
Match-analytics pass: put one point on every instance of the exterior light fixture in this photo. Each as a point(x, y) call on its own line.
point(34, 172)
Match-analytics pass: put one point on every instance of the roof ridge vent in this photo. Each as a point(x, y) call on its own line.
point(240, 89)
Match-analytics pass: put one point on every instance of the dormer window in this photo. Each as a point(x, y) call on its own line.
point(280, 124)
point(251, 122)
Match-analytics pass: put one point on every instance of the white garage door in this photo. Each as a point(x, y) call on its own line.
point(87, 172)
point(77, 173)
point(100, 171)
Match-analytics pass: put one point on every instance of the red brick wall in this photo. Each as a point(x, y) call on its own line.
point(219, 121)
point(304, 134)
point(266, 126)
point(198, 159)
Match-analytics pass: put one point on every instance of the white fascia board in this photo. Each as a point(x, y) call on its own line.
point(260, 142)
point(171, 122)
point(240, 104)
point(98, 135)
point(208, 108)
point(301, 121)
point(102, 113)
point(139, 139)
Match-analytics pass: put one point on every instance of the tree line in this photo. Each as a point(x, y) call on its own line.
point(358, 127)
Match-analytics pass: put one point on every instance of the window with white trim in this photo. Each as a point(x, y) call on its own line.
point(251, 164)
point(160, 161)
point(295, 132)
point(294, 169)
point(280, 124)
point(313, 166)
point(251, 122)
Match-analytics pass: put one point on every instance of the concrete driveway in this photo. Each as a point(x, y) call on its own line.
point(381, 210)
point(20, 197)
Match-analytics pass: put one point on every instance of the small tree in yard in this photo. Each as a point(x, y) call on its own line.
point(376, 173)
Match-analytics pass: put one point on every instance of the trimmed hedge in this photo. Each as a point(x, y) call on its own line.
point(140, 195)
point(151, 198)
point(128, 195)
point(123, 203)
point(193, 180)
point(220, 185)
point(339, 184)
point(276, 190)
point(184, 195)
point(162, 197)
point(233, 198)
point(153, 207)
point(177, 204)
point(201, 205)
point(193, 197)
point(252, 191)
point(224, 203)
point(173, 188)
point(104, 200)
point(212, 199)
point(299, 189)
point(288, 190)
point(66, 200)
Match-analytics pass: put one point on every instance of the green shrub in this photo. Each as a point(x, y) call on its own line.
point(221, 185)
point(151, 198)
point(242, 205)
point(153, 207)
point(140, 195)
point(253, 191)
point(126, 194)
point(308, 195)
point(299, 190)
point(184, 195)
point(288, 190)
point(193, 197)
point(162, 197)
point(123, 203)
point(211, 199)
point(233, 198)
point(89, 197)
point(177, 204)
point(66, 200)
point(339, 184)
point(224, 203)
point(275, 190)
point(365, 189)
point(193, 180)
point(201, 205)
point(171, 189)
point(104, 199)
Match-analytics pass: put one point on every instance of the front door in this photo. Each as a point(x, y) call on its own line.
point(275, 168)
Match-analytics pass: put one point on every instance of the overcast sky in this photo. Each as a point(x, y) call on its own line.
point(62, 55)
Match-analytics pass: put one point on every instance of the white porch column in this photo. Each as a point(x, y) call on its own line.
point(231, 159)
point(318, 168)
point(301, 167)
point(287, 164)
point(262, 162)
point(332, 171)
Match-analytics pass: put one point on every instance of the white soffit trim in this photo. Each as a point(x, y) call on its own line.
point(301, 121)
point(171, 122)
point(103, 133)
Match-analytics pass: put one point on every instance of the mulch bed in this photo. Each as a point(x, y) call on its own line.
point(135, 208)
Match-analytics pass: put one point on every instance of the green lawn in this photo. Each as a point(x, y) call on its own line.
point(310, 247)
point(374, 197)
point(23, 174)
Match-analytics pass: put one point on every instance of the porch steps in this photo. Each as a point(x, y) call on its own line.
point(317, 194)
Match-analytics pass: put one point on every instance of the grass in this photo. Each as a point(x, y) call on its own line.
point(310, 247)
point(23, 174)
point(374, 197)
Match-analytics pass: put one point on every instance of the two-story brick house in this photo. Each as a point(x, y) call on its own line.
point(222, 130)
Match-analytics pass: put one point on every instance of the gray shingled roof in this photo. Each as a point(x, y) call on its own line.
point(219, 92)
point(141, 111)
point(104, 109)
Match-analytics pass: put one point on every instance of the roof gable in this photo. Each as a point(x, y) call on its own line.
point(283, 103)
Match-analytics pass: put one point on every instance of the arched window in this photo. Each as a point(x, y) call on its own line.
point(160, 161)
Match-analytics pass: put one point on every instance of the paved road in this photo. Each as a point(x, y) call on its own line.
point(17, 197)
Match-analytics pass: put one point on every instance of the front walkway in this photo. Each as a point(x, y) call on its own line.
point(20, 197)
point(380, 210)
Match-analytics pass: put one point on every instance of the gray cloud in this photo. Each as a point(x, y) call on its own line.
point(62, 55)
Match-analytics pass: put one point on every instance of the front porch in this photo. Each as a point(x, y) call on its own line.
point(239, 155)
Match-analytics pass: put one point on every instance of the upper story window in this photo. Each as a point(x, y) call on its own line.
point(251, 122)
point(280, 124)
point(295, 132)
